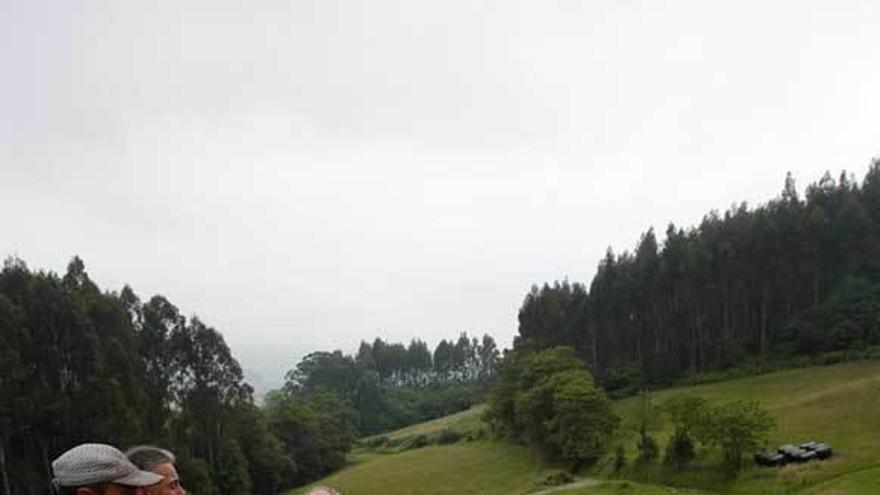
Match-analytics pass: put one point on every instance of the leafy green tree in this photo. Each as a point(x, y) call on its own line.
point(155, 322)
point(208, 385)
point(196, 474)
point(679, 449)
point(647, 418)
point(315, 433)
point(582, 422)
point(619, 458)
point(736, 427)
point(647, 447)
point(766, 282)
point(549, 401)
point(267, 463)
point(231, 470)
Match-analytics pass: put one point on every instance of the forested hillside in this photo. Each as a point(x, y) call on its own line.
point(388, 385)
point(78, 364)
point(793, 277)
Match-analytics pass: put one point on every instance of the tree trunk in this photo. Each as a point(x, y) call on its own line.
point(48, 467)
point(700, 339)
point(6, 489)
point(595, 349)
point(763, 344)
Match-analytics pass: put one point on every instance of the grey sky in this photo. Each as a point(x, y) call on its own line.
point(304, 175)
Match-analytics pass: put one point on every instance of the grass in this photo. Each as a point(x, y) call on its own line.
point(462, 422)
point(484, 467)
point(861, 482)
point(839, 405)
point(835, 404)
point(627, 488)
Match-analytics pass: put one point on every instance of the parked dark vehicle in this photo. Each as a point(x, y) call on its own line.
point(796, 454)
point(769, 459)
point(821, 450)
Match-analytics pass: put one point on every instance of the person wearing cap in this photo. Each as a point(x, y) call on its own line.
point(98, 469)
point(161, 462)
point(322, 490)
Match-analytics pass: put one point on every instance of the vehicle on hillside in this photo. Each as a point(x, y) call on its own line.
point(804, 452)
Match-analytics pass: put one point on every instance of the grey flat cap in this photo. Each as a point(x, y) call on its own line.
point(93, 463)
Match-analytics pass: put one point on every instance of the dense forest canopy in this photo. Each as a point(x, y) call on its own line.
point(389, 385)
point(78, 364)
point(795, 276)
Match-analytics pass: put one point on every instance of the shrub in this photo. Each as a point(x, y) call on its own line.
point(447, 436)
point(557, 477)
point(737, 427)
point(679, 450)
point(648, 449)
point(416, 442)
point(619, 458)
point(197, 474)
point(376, 442)
point(551, 401)
point(475, 435)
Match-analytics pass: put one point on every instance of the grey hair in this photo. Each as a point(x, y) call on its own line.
point(147, 457)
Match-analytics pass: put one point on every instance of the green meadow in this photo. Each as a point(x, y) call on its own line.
point(839, 405)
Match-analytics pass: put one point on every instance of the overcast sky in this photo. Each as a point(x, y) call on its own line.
point(306, 174)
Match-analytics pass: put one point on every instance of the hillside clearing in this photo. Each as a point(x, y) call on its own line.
point(835, 404)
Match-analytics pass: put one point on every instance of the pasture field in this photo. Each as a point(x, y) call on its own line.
point(839, 405)
point(483, 467)
point(462, 422)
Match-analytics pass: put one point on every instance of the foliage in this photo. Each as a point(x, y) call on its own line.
point(447, 436)
point(548, 400)
point(619, 458)
point(269, 466)
point(687, 412)
point(796, 276)
point(390, 385)
point(416, 442)
point(197, 475)
point(230, 473)
point(78, 364)
point(647, 447)
point(679, 449)
point(317, 431)
point(737, 427)
point(557, 477)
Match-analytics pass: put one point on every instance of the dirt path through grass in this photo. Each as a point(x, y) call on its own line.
point(583, 483)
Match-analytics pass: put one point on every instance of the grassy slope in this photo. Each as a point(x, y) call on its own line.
point(468, 467)
point(627, 488)
point(839, 405)
point(463, 421)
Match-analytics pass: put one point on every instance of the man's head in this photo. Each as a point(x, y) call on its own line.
point(161, 462)
point(98, 469)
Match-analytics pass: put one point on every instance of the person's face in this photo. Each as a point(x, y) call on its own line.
point(170, 484)
point(112, 489)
